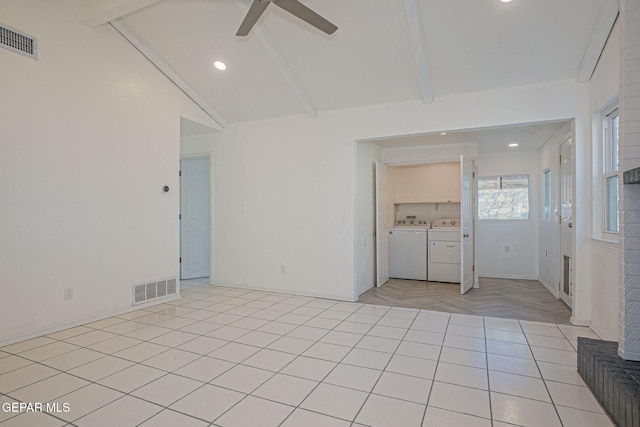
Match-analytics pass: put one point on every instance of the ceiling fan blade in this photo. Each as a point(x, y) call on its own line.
point(303, 12)
point(254, 13)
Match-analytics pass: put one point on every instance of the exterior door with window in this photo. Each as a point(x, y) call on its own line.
point(566, 222)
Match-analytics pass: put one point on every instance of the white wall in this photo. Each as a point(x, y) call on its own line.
point(604, 265)
point(196, 144)
point(430, 211)
point(367, 155)
point(428, 154)
point(295, 175)
point(90, 134)
point(509, 248)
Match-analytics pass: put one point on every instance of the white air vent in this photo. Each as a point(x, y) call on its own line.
point(145, 292)
point(18, 41)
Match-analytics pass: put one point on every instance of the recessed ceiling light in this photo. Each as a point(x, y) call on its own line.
point(220, 65)
point(443, 133)
point(505, 1)
point(514, 144)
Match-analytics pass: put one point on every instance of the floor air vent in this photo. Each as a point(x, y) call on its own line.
point(145, 292)
point(18, 41)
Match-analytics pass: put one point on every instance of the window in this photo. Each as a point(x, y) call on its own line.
point(610, 170)
point(547, 194)
point(503, 197)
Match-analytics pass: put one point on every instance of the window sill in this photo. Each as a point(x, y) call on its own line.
point(605, 240)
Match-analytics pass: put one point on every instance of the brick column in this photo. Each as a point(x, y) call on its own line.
point(629, 151)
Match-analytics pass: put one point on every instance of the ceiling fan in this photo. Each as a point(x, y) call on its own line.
point(294, 7)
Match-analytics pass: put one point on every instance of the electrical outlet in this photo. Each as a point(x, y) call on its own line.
point(68, 294)
point(283, 269)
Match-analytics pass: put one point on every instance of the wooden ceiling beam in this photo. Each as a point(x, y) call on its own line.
point(414, 21)
point(281, 64)
point(599, 37)
point(167, 70)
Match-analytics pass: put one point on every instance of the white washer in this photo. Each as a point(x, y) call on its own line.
point(444, 251)
point(408, 249)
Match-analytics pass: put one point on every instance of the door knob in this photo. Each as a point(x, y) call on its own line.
point(570, 225)
point(465, 235)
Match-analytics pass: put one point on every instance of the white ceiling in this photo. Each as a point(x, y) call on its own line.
point(286, 67)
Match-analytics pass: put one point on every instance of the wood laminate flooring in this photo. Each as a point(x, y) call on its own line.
point(509, 298)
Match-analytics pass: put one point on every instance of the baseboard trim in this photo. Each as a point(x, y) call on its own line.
point(366, 289)
point(580, 322)
point(285, 291)
point(490, 276)
point(106, 315)
point(601, 334)
point(553, 291)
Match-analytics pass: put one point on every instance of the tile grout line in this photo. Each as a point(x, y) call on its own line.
point(383, 370)
point(237, 364)
point(207, 295)
point(426, 406)
point(299, 355)
point(95, 383)
point(340, 361)
point(555, 408)
point(155, 403)
point(319, 382)
point(486, 355)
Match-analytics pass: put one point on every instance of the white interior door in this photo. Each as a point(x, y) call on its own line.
point(566, 221)
point(194, 218)
point(466, 224)
point(382, 231)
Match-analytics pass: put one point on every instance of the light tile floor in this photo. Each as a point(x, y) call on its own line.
point(228, 357)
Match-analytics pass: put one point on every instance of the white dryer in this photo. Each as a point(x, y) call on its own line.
point(408, 249)
point(444, 251)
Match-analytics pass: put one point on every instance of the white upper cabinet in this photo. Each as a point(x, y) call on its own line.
point(435, 183)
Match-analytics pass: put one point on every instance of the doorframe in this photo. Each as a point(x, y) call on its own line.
point(452, 159)
point(474, 215)
point(196, 156)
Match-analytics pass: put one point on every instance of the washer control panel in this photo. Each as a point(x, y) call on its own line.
point(412, 221)
point(442, 223)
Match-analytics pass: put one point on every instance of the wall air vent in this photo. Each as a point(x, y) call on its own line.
point(150, 291)
point(18, 41)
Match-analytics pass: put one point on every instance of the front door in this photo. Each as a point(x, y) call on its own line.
point(194, 218)
point(566, 221)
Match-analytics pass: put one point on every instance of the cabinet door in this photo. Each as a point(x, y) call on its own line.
point(443, 183)
point(434, 183)
point(410, 184)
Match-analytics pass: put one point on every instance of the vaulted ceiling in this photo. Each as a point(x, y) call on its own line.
point(385, 51)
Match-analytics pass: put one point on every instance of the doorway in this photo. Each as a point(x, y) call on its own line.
point(436, 193)
point(195, 217)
